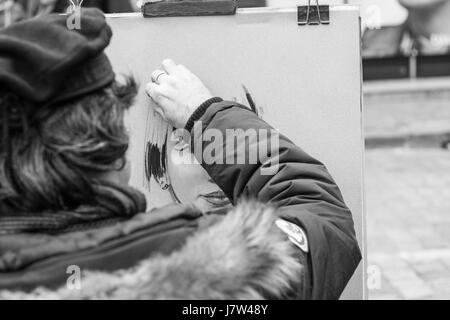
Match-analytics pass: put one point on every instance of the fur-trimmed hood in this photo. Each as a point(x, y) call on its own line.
point(241, 256)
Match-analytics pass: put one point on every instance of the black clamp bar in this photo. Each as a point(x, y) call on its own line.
point(313, 15)
point(180, 8)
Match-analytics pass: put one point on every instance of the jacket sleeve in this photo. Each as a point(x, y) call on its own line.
point(301, 188)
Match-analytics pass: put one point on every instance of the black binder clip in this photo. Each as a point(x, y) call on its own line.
point(180, 8)
point(313, 15)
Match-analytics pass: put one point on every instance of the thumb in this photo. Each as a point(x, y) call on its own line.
point(150, 90)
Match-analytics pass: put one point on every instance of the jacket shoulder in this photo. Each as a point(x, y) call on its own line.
point(111, 247)
point(242, 255)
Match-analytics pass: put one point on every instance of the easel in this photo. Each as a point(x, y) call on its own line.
point(303, 70)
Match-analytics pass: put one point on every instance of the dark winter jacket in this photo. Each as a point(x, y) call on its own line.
point(176, 252)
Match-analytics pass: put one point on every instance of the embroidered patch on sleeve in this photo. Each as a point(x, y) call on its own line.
point(295, 234)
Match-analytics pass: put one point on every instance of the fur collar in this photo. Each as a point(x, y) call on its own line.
point(241, 256)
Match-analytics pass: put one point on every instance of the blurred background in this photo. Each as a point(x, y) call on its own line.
point(406, 63)
point(406, 59)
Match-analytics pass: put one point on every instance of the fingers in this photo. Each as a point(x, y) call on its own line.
point(154, 91)
point(184, 70)
point(177, 92)
point(170, 72)
point(169, 66)
point(158, 92)
point(157, 75)
point(150, 89)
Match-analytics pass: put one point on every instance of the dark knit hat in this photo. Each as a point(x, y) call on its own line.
point(44, 62)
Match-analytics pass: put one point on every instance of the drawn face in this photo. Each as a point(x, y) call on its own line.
point(177, 172)
point(189, 181)
point(420, 4)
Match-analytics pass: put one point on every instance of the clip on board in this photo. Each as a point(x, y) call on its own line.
point(179, 8)
point(313, 15)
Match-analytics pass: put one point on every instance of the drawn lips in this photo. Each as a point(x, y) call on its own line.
point(217, 198)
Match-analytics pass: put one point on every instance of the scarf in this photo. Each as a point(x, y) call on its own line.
point(114, 203)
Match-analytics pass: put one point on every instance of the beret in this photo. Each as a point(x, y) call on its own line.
point(45, 62)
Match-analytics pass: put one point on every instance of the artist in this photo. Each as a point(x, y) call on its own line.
point(72, 228)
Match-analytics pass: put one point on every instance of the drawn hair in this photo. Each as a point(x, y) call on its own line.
point(155, 160)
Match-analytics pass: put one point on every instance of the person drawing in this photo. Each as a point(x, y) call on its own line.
point(67, 211)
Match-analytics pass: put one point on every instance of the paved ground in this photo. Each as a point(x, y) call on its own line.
point(404, 109)
point(408, 216)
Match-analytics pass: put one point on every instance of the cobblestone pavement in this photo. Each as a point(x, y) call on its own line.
point(407, 113)
point(408, 222)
